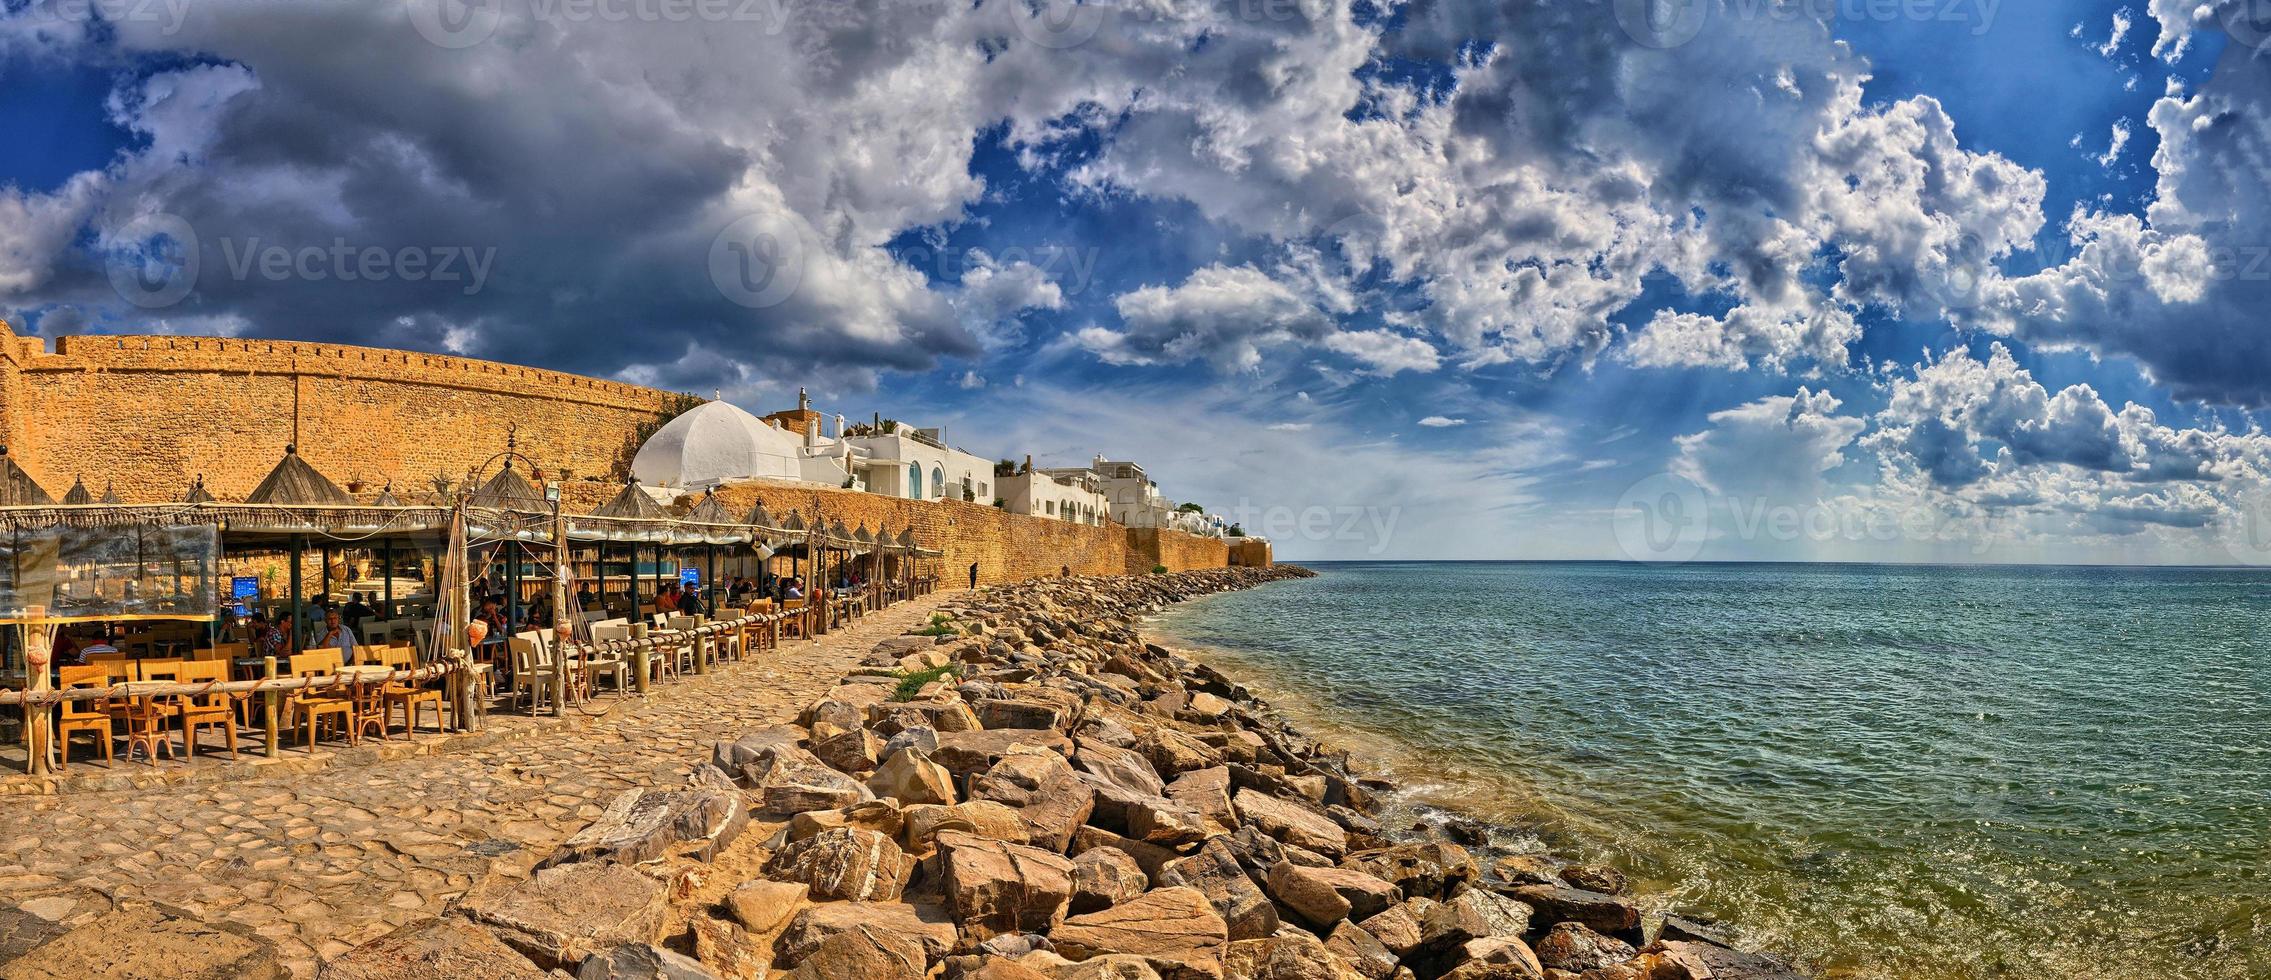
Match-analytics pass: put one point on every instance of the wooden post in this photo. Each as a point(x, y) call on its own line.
point(646, 667)
point(701, 653)
point(563, 633)
point(268, 707)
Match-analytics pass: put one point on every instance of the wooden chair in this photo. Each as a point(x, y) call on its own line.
point(200, 710)
point(527, 660)
point(311, 707)
point(795, 626)
point(84, 716)
point(149, 717)
point(409, 696)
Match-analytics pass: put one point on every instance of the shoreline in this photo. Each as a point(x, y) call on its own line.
point(1030, 789)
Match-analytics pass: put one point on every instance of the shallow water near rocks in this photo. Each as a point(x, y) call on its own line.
point(1883, 771)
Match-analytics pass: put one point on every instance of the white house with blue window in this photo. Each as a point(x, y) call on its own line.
point(919, 464)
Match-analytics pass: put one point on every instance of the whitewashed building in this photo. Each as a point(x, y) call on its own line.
point(1077, 496)
point(718, 443)
point(1132, 497)
point(919, 464)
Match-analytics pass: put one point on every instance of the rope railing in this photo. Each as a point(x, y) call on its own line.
point(158, 689)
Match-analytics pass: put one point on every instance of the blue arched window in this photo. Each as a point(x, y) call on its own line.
point(915, 480)
point(938, 481)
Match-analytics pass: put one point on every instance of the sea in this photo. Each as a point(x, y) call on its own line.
point(1878, 771)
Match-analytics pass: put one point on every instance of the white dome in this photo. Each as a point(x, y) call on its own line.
point(713, 444)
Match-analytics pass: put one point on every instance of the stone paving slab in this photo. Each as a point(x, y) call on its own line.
point(321, 861)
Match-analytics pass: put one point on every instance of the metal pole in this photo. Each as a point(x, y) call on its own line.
point(298, 546)
point(563, 579)
point(601, 565)
point(386, 555)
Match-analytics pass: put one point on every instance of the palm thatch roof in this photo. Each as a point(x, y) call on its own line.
point(294, 483)
point(632, 504)
point(17, 488)
point(386, 497)
point(508, 490)
point(758, 517)
point(197, 493)
point(794, 523)
point(78, 493)
point(710, 511)
point(110, 495)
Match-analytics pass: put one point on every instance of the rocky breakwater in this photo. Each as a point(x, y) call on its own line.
point(1026, 790)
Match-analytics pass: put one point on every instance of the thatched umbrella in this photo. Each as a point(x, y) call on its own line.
point(386, 496)
point(78, 493)
point(508, 490)
point(632, 503)
point(294, 483)
point(710, 511)
point(17, 488)
point(110, 496)
point(197, 493)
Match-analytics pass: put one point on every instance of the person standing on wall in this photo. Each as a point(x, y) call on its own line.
point(973, 575)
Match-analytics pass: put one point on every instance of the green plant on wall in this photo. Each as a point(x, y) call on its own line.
point(1158, 569)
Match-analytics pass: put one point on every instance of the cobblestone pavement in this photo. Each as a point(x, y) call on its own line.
point(325, 860)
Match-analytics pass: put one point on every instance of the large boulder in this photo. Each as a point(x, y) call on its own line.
point(844, 865)
point(1607, 914)
point(642, 961)
point(559, 916)
point(1400, 928)
point(994, 887)
point(1297, 824)
point(995, 713)
point(1363, 952)
point(641, 825)
point(1114, 967)
point(1429, 869)
point(1173, 753)
point(1472, 914)
point(761, 905)
point(969, 753)
point(1103, 877)
point(1174, 930)
point(1292, 955)
point(813, 925)
point(1119, 767)
point(981, 818)
point(1704, 961)
point(788, 780)
point(1206, 792)
point(1151, 857)
point(1573, 947)
point(845, 707)
point(1496, 958)
point(882, 816)
point(1050, 798)
point(855, 751)
point(1216, 873)
point(1324, 896)
point(864, 954)
point(910, 777)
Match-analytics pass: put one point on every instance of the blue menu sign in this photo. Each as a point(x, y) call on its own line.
point(242, 590)
point(690, 577)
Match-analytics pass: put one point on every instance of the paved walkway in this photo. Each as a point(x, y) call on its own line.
point(326, 860)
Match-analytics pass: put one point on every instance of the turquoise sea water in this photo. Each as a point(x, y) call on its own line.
point(1885, 771)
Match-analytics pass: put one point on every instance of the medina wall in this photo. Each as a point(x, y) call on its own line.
point(149, 413)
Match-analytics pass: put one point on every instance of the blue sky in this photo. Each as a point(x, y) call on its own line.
point(1837, 280)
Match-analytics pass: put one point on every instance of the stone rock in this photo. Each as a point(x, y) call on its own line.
point(995, 714)
point(1496, 958)
point(787, 781)
point(1324, 896)
point(1174, 930)
point(1429, 869)
point(762, 905)
point(432, 948)
point(1207, 793)
point(1606, 914)
point(1400, 928)
point(1173, 753)
point(1292, 823)
point(995, 888)
point(1292, 955)
point(561, 915)
point(1694, 929)
point(1205, 708)
point(642, 962)
point(1103, 877)
point(854, 752)
point(1361, 951)
point(969, 753)
point(1528, 869)
point(1119, 767)
point(1572, 947)
point(1472, 914)
point(1703, 961)
point(882, 816)
point(863, 954)
point(1595, 878)
point(922, 737)
point(1216, 873)
point(844, 865)
point(844, 707)
point(981, 818)
point(925, 926)
point(1001, 968)
point(728, 950)
point(1049, 796)
point(641, 825)
point(1162, 821)
point(1127, 666)
point(942, 714)
point(1114, 967)
point(910, 777)
point(730, 757)
point(1152, 858)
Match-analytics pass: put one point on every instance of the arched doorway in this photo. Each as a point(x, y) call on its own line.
point(915, 480)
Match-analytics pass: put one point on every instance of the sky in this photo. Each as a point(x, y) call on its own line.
point(1658, 280)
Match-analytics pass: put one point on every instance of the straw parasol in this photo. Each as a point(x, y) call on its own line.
point(632, 504)
point(78, 493)
point(17, 488)
point(508, 490)
point(386, 496)
point(294, 483)
point(710, 511)
point(110, 495)
point(197, 493)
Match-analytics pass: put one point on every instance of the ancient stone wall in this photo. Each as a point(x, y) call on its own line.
point(1149, 548)
point(1250, 552)
point(147, 413)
